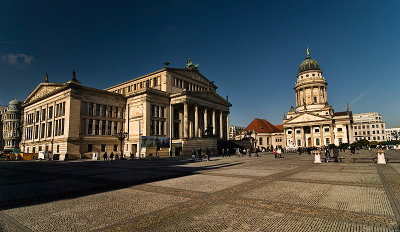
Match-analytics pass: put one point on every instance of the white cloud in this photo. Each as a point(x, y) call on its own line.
point(18, 59)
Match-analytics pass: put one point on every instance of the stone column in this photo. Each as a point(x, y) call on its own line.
point(221, 126)
point(227, 126)
point(205, 119)
point(322, 135)
point(171, 122)
point(185, 120)
point(312, 94)
point(332, 140)
point(213, 122)
point(294, 137)
point(312, 135)
point(196, 121)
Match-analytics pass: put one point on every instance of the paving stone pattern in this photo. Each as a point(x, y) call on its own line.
point(225, 194)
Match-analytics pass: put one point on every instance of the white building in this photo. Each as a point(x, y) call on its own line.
point(314, 123)
point(391, 133)
point(234, 132)
point(369, 126)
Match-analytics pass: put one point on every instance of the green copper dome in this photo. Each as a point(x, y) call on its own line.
point(309, 64)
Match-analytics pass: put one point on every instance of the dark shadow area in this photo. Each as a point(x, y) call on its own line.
point(30, 183)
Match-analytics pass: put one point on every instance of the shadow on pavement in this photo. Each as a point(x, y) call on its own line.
point(30, 183)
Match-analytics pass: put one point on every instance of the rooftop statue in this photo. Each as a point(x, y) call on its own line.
point(190, 65)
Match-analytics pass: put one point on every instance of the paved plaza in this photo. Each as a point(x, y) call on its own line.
point(224, 194)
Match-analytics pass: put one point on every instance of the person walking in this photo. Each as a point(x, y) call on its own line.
point(275, 153)
point(193, 155)
point(199, 154)
point(111, 156)
point(279, 152)
point(208, 152)
point(105, 157)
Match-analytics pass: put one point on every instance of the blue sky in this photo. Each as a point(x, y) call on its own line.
point(251, 49)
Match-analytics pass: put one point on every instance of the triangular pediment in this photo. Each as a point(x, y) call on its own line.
point(307, 117)
point(43, 90)
point(193, 74)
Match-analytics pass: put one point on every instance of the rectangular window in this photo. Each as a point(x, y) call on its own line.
point(90, 127)
point(97, 109)
point(103, 110)
point(340, 141)
point(162, 128)
point(37, 116)
point(316, 130)
point(90, 109)
point(298, 132)
point(97, 127)
point(110, 112)
point(49, 129)
point(327, 141)
point(58, 148)
point(115, 147)
point(42, 130)
point(299, 143)
point(315, 99)
point(317, 142)
point(339, 129)
point(162, 112)
point(109, 128)
point(116, 112)
point(289, 132)
point(90, 147)
point(373, 126)
point(152, 127)
point(43, 114)
point(36, 131)
point(326, 129)
point(63, 108)
point(377, 126)
point(50, 112)
point(103, 127)
point(152, 110)
point(115, 128)
point(379, 138)
point(103, 147)
point(355, 133)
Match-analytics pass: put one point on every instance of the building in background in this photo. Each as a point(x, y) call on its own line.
point(264, 134)
point(314, 123)
point(393, 134)
point(178, 103)
point(369, 126)
point(234, 132)
point(3, 109)
point(11, 120)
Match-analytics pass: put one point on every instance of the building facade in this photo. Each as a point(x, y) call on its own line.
point(369, 126)
point(392, 134)
point(264, 134)
point(314, 123)
point(181, 104)
point(11, 121)
point(3, 109)
point(235, 131)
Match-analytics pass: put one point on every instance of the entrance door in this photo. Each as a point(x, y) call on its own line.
point(133, 149)
point(309, 142)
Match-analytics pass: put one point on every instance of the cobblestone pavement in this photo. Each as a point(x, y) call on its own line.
point(225, 194)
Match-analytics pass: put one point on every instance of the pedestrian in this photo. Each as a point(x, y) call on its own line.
point(257, 153)
point(208, 152)
point(279, 152)
point(111, 156)
point(223, 153)
point(299, 150)
point(193, 155)
point(227, 152)
point(199, 154)
point(105, 157)
point(275, 153)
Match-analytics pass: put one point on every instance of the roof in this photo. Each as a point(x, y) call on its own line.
point(263, 126)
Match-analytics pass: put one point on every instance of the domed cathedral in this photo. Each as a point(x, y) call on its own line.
point(314, 123)
point(11, 121)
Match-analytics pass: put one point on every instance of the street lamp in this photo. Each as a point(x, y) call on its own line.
point(121, 137)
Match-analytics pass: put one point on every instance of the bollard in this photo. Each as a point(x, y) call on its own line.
point(381, 157)
point(317, 155)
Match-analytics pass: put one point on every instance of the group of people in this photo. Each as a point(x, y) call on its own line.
point(197, 155)
point(245, 152)
point(111, 158)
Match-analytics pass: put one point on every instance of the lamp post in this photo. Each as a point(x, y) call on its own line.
point(121, 137)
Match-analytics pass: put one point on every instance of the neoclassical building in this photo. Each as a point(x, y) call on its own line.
point(11, 128)
point(178, 103)
point(314, 123)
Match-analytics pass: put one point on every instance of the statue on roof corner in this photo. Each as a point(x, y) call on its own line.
point(190, 65)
